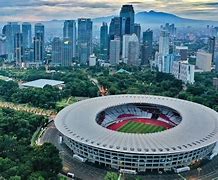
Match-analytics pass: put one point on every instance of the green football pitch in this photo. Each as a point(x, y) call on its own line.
point(140, 128)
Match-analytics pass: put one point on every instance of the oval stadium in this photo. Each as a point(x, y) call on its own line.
point(138, 132)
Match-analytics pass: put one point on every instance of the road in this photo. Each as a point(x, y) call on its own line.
point(89, 172)
point(81, 170)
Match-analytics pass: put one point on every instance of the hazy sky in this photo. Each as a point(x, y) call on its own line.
point(34, 10)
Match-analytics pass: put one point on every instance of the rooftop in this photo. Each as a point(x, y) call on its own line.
point(41, 83)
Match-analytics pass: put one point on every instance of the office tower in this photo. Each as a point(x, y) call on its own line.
point(66, 58)
point(104, 40)
point(147, 47)
point(125, 47)
point(69, 31)
point(2, 45)
point(115, 28)
point(167, 63)
point(27, 35)
point(38, 48)
point(164, 43)
point(211, 46)
point(183, 52)
point(40, 29)
point(204, 60)
point(18, 48)
point(115, 51)
point(56, 51)
point(84, 40)
point(127, 15)
point(9, 31)
point(216, 53)
point(40, 36)
point(137, 31)
point(133, 52)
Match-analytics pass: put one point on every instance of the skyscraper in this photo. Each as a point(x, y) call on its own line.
point(216, 53)
point(40, 29)
point(9, 31)
point(104, 40)
point(127, 15)
point(114, 51)
point(66, 58)
point(211, 46)
point(84, 39)
point(56, 51)
point(27, 35)
point(38, 48)
point(137, 31)
point(39, 40)
point(69, 31)
point(133, 52)
point(164, 43)
point(2, 45)
point(125, 47)
point(18, 48)
point(115, 28)
point(147, 47)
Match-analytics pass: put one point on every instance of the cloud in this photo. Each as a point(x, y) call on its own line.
point(28, 10)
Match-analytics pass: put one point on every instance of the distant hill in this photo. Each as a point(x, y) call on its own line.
point(159, 18)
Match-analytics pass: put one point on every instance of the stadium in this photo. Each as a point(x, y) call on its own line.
point(139, 133)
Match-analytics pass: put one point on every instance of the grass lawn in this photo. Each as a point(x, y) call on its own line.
point(65, 102)
point(140, 128)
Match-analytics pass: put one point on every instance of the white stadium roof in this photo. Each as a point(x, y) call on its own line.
point(198, 128)
point(41, 83)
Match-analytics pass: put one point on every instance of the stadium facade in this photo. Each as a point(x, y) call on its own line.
point(90, 129)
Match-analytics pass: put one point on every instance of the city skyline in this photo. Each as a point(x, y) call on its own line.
point(42, 10)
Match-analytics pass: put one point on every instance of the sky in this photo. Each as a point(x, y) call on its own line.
point(41, 10)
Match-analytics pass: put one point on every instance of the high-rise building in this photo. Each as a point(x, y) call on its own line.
point(147, 47)
point(2, 45)
point(204, 61)
point(39, 54)
point(9, 31)
point(114, 51)
point(211, 46)
point(69, 31)
point(84, 39)
point(115, 28)
point(18, 48)
point(56, 51)
point(38, 46)
point(216, 53)
point(66, 58)
point(164, 43)
point(133, 51)
point(183, 52)
point(125, 47)
point(40, 29)
point(137, 31)
point(127, 15)
point(27, 35)
point(104, 40)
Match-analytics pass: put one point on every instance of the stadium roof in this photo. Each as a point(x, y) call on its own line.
point(198, 128)
point(41, 83)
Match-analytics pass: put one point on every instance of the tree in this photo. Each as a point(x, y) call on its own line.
point(111, 176)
